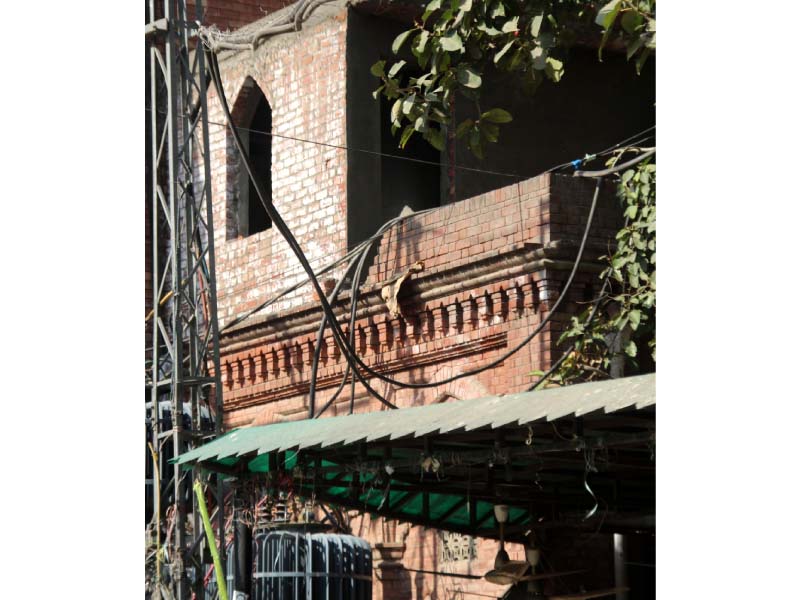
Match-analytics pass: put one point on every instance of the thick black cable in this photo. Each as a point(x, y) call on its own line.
point(354, 252)
point(364, 249)
point(353, 306)
point(280, 224)
point(346, 348)
point(312, 390)
point(600, 297)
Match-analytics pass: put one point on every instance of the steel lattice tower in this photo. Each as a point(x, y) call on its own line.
point(184, 344)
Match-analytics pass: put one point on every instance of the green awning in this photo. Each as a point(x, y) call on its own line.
point(447, 464)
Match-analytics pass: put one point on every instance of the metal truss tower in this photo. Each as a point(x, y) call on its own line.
point(184, 335)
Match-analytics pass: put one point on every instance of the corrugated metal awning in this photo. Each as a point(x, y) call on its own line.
point(492, 412)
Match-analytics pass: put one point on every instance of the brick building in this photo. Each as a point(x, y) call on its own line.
point(489, 259)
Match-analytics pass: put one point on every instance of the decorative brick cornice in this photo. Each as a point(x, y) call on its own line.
point(457, 277)
point(406, 359)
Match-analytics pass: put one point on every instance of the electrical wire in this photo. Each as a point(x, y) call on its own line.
point(639, 136)
point(375, 152)
point(616, 168)
point(338, 335)
point(346, 348)
point(600, 297)
point(280, 224)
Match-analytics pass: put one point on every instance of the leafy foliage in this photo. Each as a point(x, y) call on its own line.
point(456, 42)
point(625, 331)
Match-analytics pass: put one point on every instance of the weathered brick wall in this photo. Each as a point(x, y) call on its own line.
point(303, 79)
point(493, 267)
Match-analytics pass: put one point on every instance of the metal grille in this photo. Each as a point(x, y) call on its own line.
point(305, 566)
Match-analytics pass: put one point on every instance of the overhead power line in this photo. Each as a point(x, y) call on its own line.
point(639, 137)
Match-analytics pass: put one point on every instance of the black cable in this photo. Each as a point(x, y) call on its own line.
point(600, 297)
point(312, 390)
point(617, 168)
point(354, 252)
point(418, 160)
point(353, 305)
point(346, 348)
point(364, 249)
point(569, 350)
point(374, 152)
point(280, 224)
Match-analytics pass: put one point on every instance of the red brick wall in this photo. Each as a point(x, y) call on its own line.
point(303, 79)
point(493, 266)
point(480, 293)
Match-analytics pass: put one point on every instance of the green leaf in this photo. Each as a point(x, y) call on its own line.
point(490, 132)
point(634, 46)
point(433, 5)
point(497, 10)
point(396, 68)
point(635, 317)
point(377, 92)
point(503, 50)
point(468, 77)
point(464, 127)
point(421, 42)
point(488, 29)
point(511, 25)
point(631, 21)
point(497, 115)
point(630, 349)
point(554, 69)
point(396, 107)
point(400, 40)
point(641, 60)
point(436, 138)
point(539, 57)
point(407, 133)
point(377, 68)
point(607, 14)
point(408, 104)
point(536, 25)
point(452, 42)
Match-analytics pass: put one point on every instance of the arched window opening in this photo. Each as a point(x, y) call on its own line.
point(253, 116)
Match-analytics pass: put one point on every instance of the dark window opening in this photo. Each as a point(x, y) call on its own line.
point(260, 151)
point(404, 180)
point(252, 114)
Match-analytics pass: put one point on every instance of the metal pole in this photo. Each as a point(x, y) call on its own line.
point(155, 424)
point(620, 569)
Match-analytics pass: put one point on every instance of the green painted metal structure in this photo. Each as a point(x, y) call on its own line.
point(552, 455)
